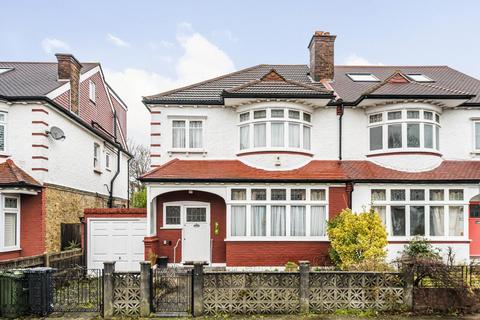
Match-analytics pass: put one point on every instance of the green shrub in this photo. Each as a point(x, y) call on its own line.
point(139, 198)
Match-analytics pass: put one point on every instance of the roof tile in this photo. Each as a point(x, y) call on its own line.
point(11, 174)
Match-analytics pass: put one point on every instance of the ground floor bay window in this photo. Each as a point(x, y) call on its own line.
point(9, 223)
point(277, 213)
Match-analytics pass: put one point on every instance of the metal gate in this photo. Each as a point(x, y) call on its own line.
point(172, 291)
point(78, 290)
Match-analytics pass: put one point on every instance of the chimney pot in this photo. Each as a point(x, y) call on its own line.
point(321, 48)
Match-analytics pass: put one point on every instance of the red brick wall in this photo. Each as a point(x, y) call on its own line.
point(32, 227)
point(217, 214)
point(337, 201)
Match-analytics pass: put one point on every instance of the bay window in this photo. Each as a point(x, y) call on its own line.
point(277, 213)
point(421, 211)
point(9, 222)
point(404, 130)
point(3, 131)
point(277, 128)
point(187, 134)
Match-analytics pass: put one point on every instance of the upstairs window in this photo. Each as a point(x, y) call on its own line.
point(107, 161)
point(96, 156)
point(418, 77)
point(187, 134)
point(362, 77)
point(476, 129)
point(92, 91)
point(3, 131)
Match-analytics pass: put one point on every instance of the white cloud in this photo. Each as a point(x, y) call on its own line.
point(117, 41)
point(355, 60)
point(50, 45)
point(201, 60)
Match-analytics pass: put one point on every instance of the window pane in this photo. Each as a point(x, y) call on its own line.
point(394, 115)
point(238, 221)
point(2, 137)
point(244, 116)
point(437, 118)
point(428, 128)
point(437, 221)
point(259, 221)
point(417, 194)
point(376, 118)
point(278, 221)
point(413, 135)
point(279, 194)
point(376, 138)
point(298, 194)
point(417, 221)
point(11, 203)
point(196, 135)
point(307, 117)
point(477, 135)
point(317, 195)
point(239, 194)
point(277, 113)
point(259, 133)
point(395, 136)
point(196, 214)
point(172, 215)
point(10, 239)
point(397, 195)
point(317, 221)
point(259, 114)
point(278, 134)
point(298, 221)
point(455, 224)
point(427, 115)
point(455, 194)
point(294, 135)
point(292, 114)
point(306, 137)
point(413, 114)
point(382, 212)
point(437, 138)
point(244, 137)
point(436, 195)
point(378, 195)
point(259, 194)
point(178, 134)
point(2, 117)
point(398, 221)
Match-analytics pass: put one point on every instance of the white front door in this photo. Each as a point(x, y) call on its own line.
point(196, 234)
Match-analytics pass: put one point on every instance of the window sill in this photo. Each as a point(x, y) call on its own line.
point(247, 152)
point(97, 171)
point(12, 249)
point(277, 239)
point(394, 152)
point(108, 169)
point(187, 151)
point(4, 155)
point(440, 239)
point(176, 227)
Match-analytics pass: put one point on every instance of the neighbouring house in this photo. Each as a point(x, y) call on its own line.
point(63, 148)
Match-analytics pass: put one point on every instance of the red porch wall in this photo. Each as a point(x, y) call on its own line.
point(32, 227)
point(167, 238)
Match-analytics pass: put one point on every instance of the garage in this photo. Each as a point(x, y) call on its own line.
point(116, 239)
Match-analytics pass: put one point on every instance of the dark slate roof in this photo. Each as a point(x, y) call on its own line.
point(447, 81)
point(28, 79)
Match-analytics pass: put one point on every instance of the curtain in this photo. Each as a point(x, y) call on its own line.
point(455, 223)
point(398, 221)
point(378, 195)
point(259, 221)
point(239, 194)
point(317, 221)
point(437, 221)
point(456, 194)
point(10, 239)
point(417, 221)
point(382, 212)
point(294, 135)
point(317, 195)
point(2, 137)
point(436, 195)
point(238, 221)
point(278, 135)
point(306, 137)
point(196, 136)
point(178, 134)
point(259, 135)
point(413, 135)
point(395, 136)
point(244, 137)
point(297, 221)
point(428, 128)
point(278, 221)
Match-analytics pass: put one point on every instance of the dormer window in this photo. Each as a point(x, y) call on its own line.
point(362, 77)
point(417, 77)
point(275, 128)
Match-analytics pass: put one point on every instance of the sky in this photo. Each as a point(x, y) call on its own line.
point(146, 47)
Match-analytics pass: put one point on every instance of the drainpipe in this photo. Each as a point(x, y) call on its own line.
point(110, 197)
point(340, 116)
point(128, 182)
point(349, 189)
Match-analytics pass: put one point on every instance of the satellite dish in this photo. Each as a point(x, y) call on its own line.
point(56, 133)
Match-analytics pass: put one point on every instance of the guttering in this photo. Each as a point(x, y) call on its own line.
point(227, 94)
point(110, 196)
point(411, 96)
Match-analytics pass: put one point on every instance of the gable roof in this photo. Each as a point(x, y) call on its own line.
point(315, 171)
point(447, 81)
point(11, 175)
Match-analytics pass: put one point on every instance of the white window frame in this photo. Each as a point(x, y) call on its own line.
point(187, 135)
point(352, 76)
point(183, 212)
point(96, 156)
point(474, 136)
point(108, 159)
point(412, 76)
point(3, 211)
point(404, 122)
point(268, 121)
point(427, 203)
point(248, 203)
point(92, 91)
point(4, 124)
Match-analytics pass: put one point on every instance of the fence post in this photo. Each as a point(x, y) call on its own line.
point(408, 277)
point(304, 286)
point(198, 289)
point(46, 259)
point(145, 288)
point(108, 270)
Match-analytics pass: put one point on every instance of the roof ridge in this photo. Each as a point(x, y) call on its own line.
point(384, 82)
point(390, 66)
point(13, 169)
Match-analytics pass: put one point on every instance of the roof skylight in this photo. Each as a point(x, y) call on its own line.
point(362, 77)
point(3, 70)
point(418, 77)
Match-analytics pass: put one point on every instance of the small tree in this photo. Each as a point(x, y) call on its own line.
point(357, 239)
point(139, 198)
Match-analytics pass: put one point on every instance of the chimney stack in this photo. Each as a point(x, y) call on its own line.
point(322, 56)
point(69, 69)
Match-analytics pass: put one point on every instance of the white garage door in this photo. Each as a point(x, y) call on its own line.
point(119, 240)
